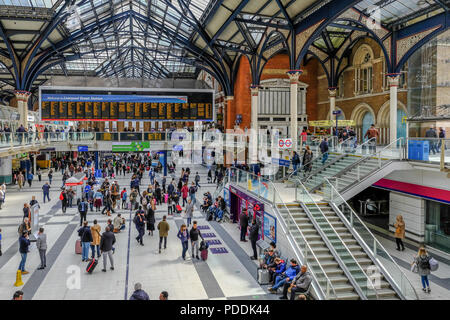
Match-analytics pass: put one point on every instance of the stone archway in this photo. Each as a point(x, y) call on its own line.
point(383, 120)
point(360, 114)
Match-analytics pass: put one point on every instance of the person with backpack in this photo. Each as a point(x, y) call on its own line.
point(422, 261)
point(295, 162)
point(46, 191)
point(184, 193)
point(64, 202)
point(139, 221)
point(163, 228)
point(399, 233)
point(194, 234)
point(123, 196)
point(82, 209)
point(307, 160)
point(106, 247)
point(183, 235)
point(86, 238)
point(192, 191)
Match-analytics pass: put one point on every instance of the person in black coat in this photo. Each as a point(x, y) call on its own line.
point(86, 238)
point(139, 221)
point(150, 221)
point(106, 247)
point(254, 230)
point(243, 220)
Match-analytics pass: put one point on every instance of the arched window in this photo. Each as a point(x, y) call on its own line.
point(363, 70)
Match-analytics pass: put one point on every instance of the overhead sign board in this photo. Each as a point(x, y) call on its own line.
point(331, 123)
point(132, 146)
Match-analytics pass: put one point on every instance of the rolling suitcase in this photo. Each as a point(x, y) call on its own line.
point(204, 254)
point(78, 248)
point(91, 265)
point(263, 276)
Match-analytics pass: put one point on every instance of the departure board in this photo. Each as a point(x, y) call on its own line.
point(120, 104)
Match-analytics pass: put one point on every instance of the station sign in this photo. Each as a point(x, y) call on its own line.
point(285, 143)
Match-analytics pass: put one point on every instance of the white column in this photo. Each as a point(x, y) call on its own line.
point(393, 86)
point(332, 94)
point(22, 106)
point(293, 76)
point(253, 150)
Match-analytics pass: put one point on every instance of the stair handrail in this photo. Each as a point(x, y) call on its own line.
point(308, 249)
point(342, 241)
point(376, 155)
point(376, 244)
point(330, 287)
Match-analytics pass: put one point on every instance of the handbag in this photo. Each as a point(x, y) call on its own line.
point(434, 264)
point(414, 268)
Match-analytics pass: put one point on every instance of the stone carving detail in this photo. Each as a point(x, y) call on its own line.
point(405, 44)
point(304, 36)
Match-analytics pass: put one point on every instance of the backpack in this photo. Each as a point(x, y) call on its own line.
point(61, 197)
point(424, 263)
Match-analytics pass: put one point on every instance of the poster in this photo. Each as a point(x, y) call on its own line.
point(270, 228)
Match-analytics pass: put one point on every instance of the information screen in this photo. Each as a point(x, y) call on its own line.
point(73, 104)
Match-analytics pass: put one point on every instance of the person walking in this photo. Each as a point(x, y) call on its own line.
point(192, 191)
point(138, 293)
point(46, 191)
point(194, 234)
point(39, 174)
point(41, 244)
point(431, 133)
point(253, 236)
point(64, 201)
point(307, 160)
point(324, 150)
point(82, 209)
point(243, 221)
point(422, 261)
point(184, 193)
point(295, 162)
point(24, 244)
point(197, 180)
point(372, 134)
point(106, 247)
point(86, 238)
point(399, 232)
point(163, 228)
point(183, 235)
point(50, 176)
point(189, 211)
point(95, 231)
point(30, 178)
point(139, 221)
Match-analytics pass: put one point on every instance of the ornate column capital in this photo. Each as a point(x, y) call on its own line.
point(254, 89)
point(294, 75)
point(393, 79)
point(22, 95)
point(332, 91)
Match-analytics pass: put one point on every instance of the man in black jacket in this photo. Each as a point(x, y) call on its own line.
point(139, 221)
point(194, 235)
point(82, 209)
point(86, 239)
point(254, 230)
point(243, 220)
point(106, 247)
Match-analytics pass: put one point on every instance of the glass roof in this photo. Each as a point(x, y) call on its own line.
point(29, 3)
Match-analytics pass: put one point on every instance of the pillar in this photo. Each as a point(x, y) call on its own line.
point(22, 106)
point(393, 88)
point(253, 147)
point(332, 91)
point(6, 170)
point(230, 112)
point(293, 76)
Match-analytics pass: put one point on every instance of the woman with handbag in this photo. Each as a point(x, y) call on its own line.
point(422, 263)
point(399, 232)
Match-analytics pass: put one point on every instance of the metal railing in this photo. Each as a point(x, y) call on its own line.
point(368, 291)
point(382, 258)
point(304, 249)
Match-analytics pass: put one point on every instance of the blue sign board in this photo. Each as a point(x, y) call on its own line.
point(281, 162)
point(83, 148)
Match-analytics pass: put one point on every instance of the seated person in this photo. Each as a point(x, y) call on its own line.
point(269, 260)
point(286, 277)
point(300, 284)
point(278, 269)
point(276, 252)
point(119, 223)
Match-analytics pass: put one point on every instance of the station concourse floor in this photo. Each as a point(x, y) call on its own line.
point(228, 274)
